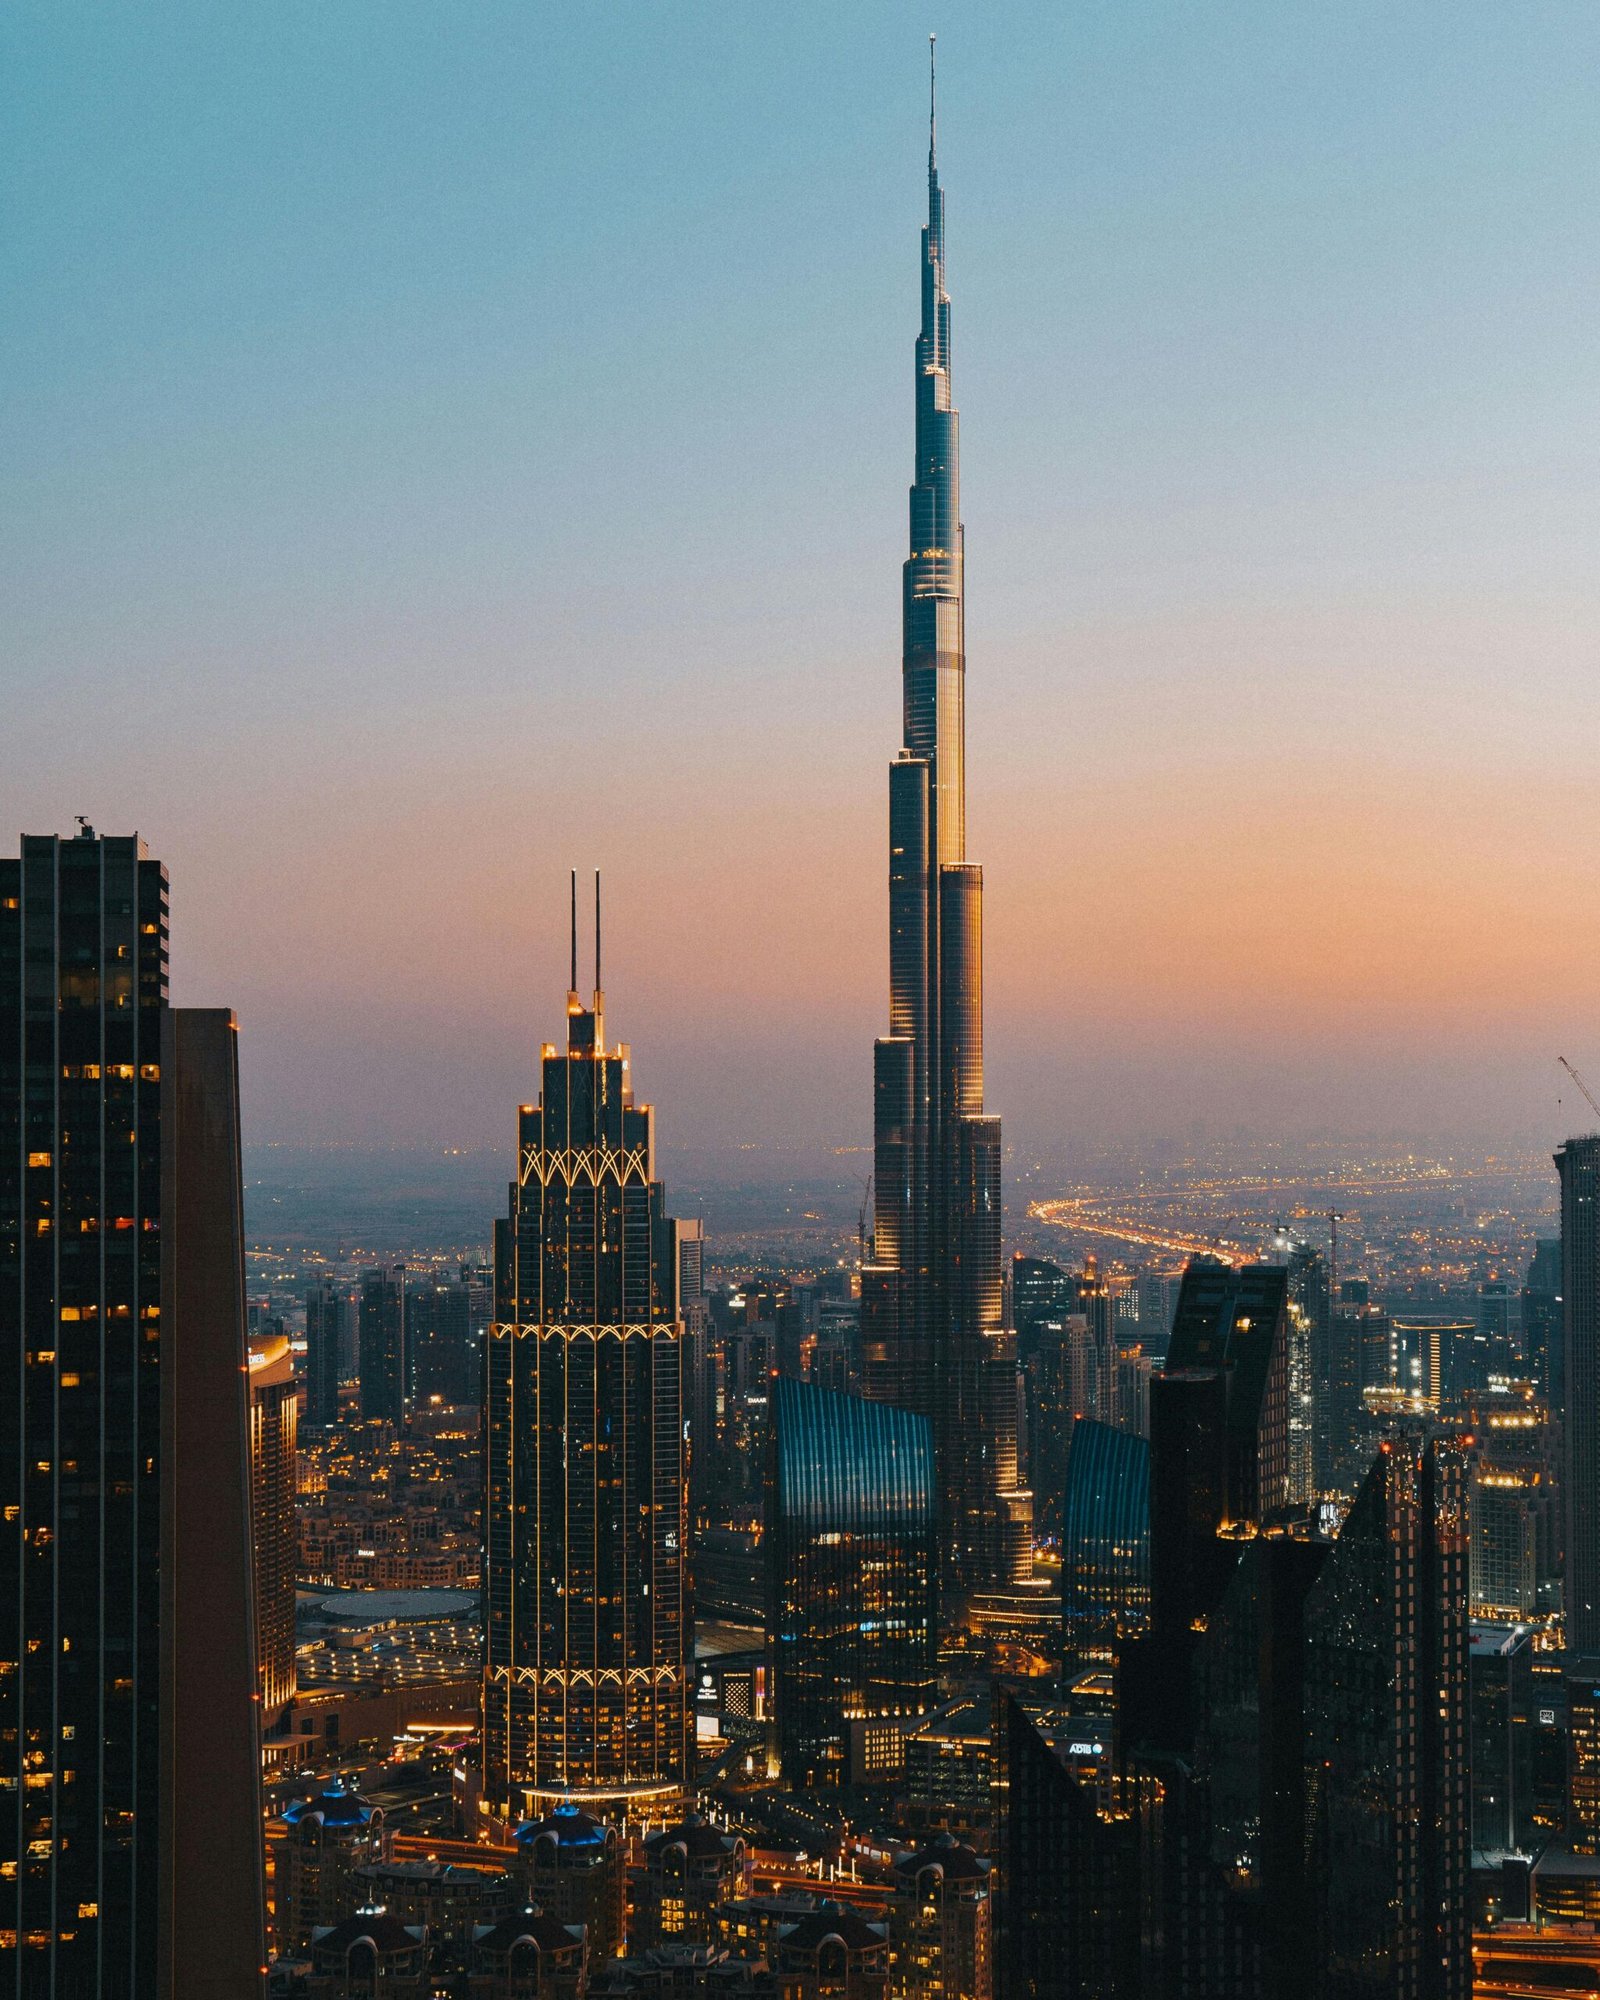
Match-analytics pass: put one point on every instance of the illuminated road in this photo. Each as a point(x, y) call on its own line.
point(1082, 1217)
point(1517, 1962)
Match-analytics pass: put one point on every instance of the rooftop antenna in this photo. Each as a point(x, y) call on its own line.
point(572, 984)
point(597, 930)
point(933, 127)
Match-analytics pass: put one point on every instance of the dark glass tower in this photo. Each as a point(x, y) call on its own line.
point(585, 1692)
point(1105, 1540)
point(129, 1770)
point(325, 1314)
point(849, 1550)
point(1389, 1804)
point(934, 1337)
point(1578, 1163)
point(385, 1372)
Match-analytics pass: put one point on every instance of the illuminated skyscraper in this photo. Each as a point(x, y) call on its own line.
point(849, 1549)
point(585, 1691)
point(130, 1839)
point(934, 1337)
point(274, 1418)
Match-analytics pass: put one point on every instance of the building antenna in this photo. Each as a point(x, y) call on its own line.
point(572, 986)
point(597, 930)
point(933, 124)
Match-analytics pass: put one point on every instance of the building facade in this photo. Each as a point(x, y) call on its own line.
point(587, 1640)
point(384, 1364)
point(128, 1731)
point(1105, 1541)
point(850, 1558)
point(1578, 1163)
point(274, 1422)
point(1386, 1711)
point(934, 1337)
point(325, 1340)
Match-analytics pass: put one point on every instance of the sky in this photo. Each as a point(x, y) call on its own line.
point(442, 445)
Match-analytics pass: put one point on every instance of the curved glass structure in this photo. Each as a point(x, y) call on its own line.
point(1105, 1539)
point(850, 1569)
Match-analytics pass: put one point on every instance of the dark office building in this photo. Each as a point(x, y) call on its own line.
point(384, 1368)
point(1578, 1163)
point(1105, 1541)
point(1040, 1291)
point(1232, 1319)
point(933, 1328)
point(325, 1337)
point(850, 1578)
point(1541, 1319)
point(586, 1681)
point(1389, 1787)
point(1236, 1809)
point(129, 1854)
point(1501, 1695)
point(1080, 1856)
point(442, 1357)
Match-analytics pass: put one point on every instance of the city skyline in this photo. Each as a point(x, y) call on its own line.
point(334, 480)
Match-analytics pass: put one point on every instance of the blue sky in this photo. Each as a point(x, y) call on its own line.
point(443, 444)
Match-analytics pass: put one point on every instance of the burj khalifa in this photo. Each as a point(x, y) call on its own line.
point(934, 1333)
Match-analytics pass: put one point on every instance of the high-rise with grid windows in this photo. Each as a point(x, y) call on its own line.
point(129, 1802)
point(585, 1693)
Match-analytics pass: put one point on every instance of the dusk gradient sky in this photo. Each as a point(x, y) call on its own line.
point(447, 444)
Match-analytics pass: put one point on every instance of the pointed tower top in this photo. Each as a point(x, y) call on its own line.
point(933, 107)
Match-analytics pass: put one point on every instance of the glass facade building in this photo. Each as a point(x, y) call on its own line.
point(129, 1768)
point(850, 1574)
point(586, 1683)
point(385, 1371)
point(325, 1322)
point(933, 1321)
point(1578, 1163)
point(1105, 1540)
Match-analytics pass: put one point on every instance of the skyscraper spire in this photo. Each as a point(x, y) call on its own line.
point(933, 1310)
point(933, 106)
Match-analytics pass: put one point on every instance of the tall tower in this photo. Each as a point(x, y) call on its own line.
point(129, 1768)
point(1578, 1163)
point(933, 1298)
point(585, 1693)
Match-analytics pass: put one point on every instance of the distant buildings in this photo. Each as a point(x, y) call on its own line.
point(385, 1369)
point(587, 1651)
point(851, 1564)
point(130, 1847)
point(325, 1343)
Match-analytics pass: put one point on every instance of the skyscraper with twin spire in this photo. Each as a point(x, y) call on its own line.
point(933, 1298)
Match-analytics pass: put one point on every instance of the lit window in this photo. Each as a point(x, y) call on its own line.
point(38, 1159)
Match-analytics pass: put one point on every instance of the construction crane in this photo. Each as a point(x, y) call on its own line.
point(1578, 1080)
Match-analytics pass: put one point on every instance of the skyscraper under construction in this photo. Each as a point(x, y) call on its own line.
point(585, 1693)
point(934, 1328)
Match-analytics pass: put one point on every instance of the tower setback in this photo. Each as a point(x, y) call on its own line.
point(934, 1334)
point(585, 1694)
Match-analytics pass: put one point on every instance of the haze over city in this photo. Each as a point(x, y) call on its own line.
point(481, 442)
